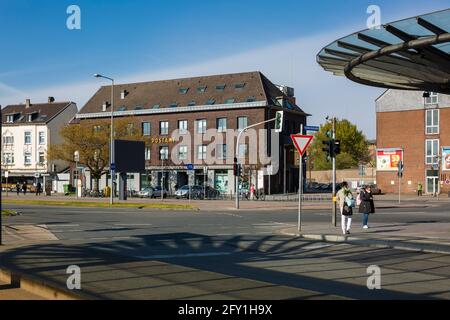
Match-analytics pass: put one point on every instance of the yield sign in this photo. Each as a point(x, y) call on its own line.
point(301, 142)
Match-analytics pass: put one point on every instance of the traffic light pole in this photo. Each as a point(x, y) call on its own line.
point(236, 180)
point(334, 222)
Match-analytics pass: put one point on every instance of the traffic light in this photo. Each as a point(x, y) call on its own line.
point(336, 147)
point(328, 148)
point(240, 170)
point(400, 169)
point(279, 121)
point(235, 167)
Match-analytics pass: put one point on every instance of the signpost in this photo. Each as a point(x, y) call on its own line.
point(190, 168)
point(301, 142)
point(6, 178)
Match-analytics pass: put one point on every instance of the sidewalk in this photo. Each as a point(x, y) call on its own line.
point(211, 205)
point(425, 237)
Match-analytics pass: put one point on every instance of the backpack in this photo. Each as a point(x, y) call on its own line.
point(350, 202)
point(358, 199)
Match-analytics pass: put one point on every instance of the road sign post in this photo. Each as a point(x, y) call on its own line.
point(301, 142)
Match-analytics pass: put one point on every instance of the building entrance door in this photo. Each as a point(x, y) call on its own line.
point(432, 182)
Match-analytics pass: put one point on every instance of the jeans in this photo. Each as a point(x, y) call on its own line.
point(365, 219)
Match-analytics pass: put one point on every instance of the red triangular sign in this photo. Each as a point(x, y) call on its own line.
point(301, 142)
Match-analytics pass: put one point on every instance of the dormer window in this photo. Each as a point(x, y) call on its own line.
point(239, 86)
point(105, 105)
point(122, 108)
point(201, 89)
point(123, 94)
point(183, 90)
point(10, 118)
point(29, 117)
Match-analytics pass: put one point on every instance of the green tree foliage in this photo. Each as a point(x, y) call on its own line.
point(354, 146)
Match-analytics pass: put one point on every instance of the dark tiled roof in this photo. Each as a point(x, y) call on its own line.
point(43, 112)
point(182, 92)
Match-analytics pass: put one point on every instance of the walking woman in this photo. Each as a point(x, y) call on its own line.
point(367, 206)
point(346, 203)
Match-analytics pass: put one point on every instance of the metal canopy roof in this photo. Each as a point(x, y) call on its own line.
point(410, 54)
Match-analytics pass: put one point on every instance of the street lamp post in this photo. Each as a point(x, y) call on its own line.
point(111, 148)
point(76, 156)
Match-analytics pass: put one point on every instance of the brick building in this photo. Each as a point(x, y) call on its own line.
point(196, 120)
point(421, 126)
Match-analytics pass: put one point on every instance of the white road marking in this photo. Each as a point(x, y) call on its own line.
point(60, 225)
point(185, 255)
point(66, 231)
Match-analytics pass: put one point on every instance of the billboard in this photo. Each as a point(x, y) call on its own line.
point(388, 159)
point(129, 156)
point(445, 158)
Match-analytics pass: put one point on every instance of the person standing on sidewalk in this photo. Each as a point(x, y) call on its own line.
point(18, 188)
point(419, 189)
point(367, 205)
point(24, 188)
point(345, 200)
point(38, 189)
point(252, 191)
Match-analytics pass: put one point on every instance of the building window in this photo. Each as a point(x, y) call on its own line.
point(201, 89)
point(182, 126)
point(41, 157)
point(156, 106)
point(220, 87)
point(432, 121)
point(242, 123)
point(27, 158)
point(146, 129)
point(210, 102)
point(183, 90)
point(239, 86)
point(182, 152)
point(41, 137)
point(164, 127)
point(97, 129)
point(431, 151)
point(10, 118)
point(8, 140)
point(251, 99)
point(130, 129)
point(432, 99)
point(201, 152)
point(221, 124)
point(163, 153)
point(221, 151)
point(242, 152)
point(201, 126)
point(27, 137)
point(147, 153)
point(8, 158)
point(229, 101)
point(191, 103)
point(173, 105)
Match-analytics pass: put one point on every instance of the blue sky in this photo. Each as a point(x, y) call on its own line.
point(140, 40)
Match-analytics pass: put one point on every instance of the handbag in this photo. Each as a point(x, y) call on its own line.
point(347, 211)
point(350, 202)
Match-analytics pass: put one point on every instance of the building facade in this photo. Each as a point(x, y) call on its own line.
point(196, 121)
point(419, 125)
point(28, 130)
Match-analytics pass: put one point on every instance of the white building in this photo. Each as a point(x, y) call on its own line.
point(27, 132)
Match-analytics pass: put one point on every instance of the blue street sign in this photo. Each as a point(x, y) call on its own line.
point(190, 166)
point(113, 166)
point(312, 128)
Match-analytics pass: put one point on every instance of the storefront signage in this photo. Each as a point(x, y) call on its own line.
point(445, 158)
point(159, 140)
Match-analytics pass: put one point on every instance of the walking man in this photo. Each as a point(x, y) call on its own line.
point(419, 189)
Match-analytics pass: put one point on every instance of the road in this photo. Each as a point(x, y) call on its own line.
point(224, 254)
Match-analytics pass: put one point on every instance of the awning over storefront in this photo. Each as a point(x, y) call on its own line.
point(411, 54)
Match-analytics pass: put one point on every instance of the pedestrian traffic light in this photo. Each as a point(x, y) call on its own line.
point(279, 121)
point(400, 169)
point(240, 170)
point(336, 147)
point(328, 149)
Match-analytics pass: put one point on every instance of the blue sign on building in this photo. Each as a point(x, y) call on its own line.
point(311, 128)
point(190, 166)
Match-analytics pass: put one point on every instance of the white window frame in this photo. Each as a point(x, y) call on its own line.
point(8, 158)
point(221, 127)
point(433, 128)
point(164, 132)
point(433, 158)
point(148, 152)
point(201, 152)
point(221, 151)
point(9, 118)
point(201, 125)
point(182, 152)
point(26, 133)
point(41, 153)
point(433, 99)
point(240, 151)
point(25, 156)
point(246, 122)
point(10, 138)
point(41, 137)
point(144, 133)
point(166, 153)
point(182, 129)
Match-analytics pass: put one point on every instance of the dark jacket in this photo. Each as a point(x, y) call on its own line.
point(367, 205)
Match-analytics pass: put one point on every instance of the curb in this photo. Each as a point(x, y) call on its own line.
point(40, 288)
point(391, 244)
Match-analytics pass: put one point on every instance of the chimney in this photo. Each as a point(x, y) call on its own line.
point(27, 103)
point(51, 99)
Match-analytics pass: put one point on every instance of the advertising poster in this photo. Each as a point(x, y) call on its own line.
point(445, 158)
point(388, 159)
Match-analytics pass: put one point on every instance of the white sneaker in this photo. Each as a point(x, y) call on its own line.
point(366, 227)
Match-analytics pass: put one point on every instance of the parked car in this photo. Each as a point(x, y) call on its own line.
point(197, 192)
point(151, 192)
